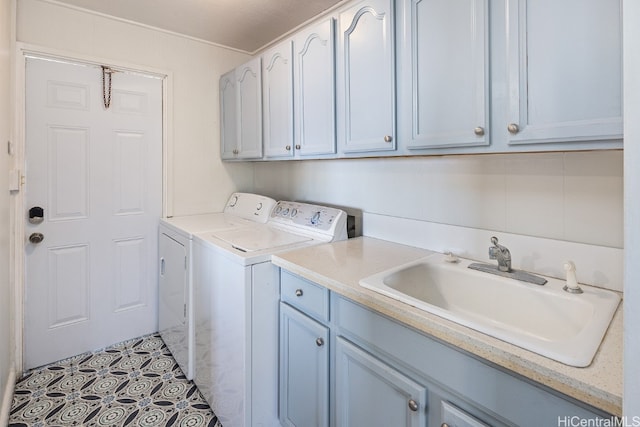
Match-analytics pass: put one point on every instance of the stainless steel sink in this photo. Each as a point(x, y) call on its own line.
point(543, 319)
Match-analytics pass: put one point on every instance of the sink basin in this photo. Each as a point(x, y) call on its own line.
point(543, 319)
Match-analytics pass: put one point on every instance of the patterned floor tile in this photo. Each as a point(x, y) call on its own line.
point(134, 383)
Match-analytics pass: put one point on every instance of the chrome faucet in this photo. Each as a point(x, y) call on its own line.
point(500, 253)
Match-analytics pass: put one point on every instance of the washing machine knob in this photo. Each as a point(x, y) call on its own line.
point(315, 218)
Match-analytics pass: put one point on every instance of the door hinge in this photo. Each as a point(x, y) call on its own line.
point(185, 262)
point(185, 310)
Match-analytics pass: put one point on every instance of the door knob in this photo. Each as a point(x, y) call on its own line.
point(36, 215)
point(36, 238)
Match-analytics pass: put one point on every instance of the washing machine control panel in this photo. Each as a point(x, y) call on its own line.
point(304, 216)
point(250, 206)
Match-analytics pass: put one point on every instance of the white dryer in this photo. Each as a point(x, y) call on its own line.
point(175, 301)
point(237, 293)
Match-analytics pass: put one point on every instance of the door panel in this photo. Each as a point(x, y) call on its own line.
point(314, 90)
point(370, 392)
point(304, 370)
point(366, 77)
point(97, 174)
point(445, 96)
point(277, 96)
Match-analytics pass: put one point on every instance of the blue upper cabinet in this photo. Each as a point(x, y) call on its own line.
point(249, 110)
point(564, 72)
point(443, 96)
point(366, 81)
point(314, 90)
point(458, 76)
point(277, 95)
point(228, 116)
point(241, 112)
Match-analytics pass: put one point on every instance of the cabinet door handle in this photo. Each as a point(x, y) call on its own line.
point(297, 146)
point(288, 148)
point(299, 292)
point(413, 405)
point(388, 138)
point(479, 131)
point(162, 266)
point(513, 128)
point(319, 342)
point(444, 425)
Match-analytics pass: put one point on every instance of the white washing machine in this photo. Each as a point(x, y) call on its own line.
point(175, 301)
point(237, 292)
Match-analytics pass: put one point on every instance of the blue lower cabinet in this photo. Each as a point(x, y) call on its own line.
point(344, 365)
point(371, 393)
point(304, 370)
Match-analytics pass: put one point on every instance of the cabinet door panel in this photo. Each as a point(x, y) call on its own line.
point(277, 73)
point(371, 393)
point(172, 299)
point(304, 365)
point(366, 89)
point(314, 77)
point(228, 115)
point(565, 69)
point(445, 73)
point(249, 106)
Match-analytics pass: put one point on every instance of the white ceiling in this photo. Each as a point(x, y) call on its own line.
point(246, 25)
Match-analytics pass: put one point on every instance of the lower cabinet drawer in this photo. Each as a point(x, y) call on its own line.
point(309, 297)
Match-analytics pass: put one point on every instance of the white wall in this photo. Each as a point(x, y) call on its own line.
point(201, 183)
point(631, 16)
point(576, 197)
point(6, 344)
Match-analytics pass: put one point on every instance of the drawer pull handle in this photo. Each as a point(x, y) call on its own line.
point(319, 342)
point(298, 292)
point(413, 405)
point(513, 128)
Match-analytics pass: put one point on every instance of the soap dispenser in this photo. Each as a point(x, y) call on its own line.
point(572, 282)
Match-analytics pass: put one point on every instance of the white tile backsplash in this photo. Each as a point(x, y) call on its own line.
point(534, 195)
point(593, 197)
point(565, 197)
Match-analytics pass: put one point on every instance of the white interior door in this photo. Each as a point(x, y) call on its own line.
point(97, 175)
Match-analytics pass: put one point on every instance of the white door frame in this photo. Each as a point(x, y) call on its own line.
point(18, 218)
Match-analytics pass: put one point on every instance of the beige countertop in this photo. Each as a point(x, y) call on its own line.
point(340, 266)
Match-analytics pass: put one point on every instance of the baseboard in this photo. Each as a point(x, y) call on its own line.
point(7, 398)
